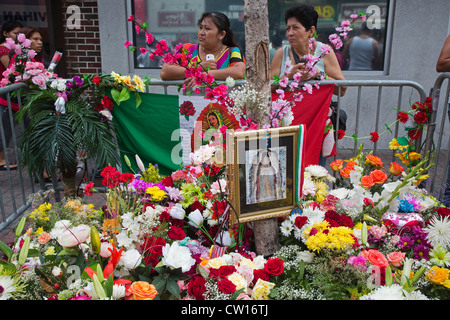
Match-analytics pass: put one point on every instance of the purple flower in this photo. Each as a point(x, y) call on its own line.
point(78, 81)
point(406, 242)
point(422, 251)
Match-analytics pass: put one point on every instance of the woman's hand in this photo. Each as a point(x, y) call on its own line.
point(209, 65)
point(306, 73)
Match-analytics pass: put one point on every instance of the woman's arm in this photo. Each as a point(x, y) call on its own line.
point(443, 62)
point(172, 72)
point(237, 72)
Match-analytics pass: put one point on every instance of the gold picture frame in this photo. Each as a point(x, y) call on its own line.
point(263, 172)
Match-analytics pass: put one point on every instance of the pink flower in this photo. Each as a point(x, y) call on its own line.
point(127, 44)
point(40, 81)
point(396, 258)
point(21, 37)
point(358, 262)
point(149, 38)
point(31, 54)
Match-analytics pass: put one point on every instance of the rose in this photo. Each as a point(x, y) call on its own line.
point(176, 256)
point(187, 109)
point(378, 176)
point(225, 271)
point(44, 237)
point(414, 134)
point(197, 288)
point(130, 259)
point(367, 182)
point(337, 165)
point(374, 161)
point(420, 117)
point(438, 276)
point(226, 286)
point(260, 274)
point(396, 258)
point(395, 168)
point(142, 290)
point(377, 259)
point(89, 188)
point(274, 266)
point(261, 290)
point(107, 103)
point(195, 218)
point(105, 249)
point(375, 136)
point(238, 280)
point(75, 236)
point(306, 256)
point(176, 233)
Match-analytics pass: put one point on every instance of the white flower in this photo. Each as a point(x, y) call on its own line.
point(104, 252)
point(176, 256)
point(438, 230)
point(286, 227)
point(60, 105)
point(219, 186)
point(57, 271)
point(230, 82)
point(130, 259)
point(306, 256)
point(195, 218)
point(107, 114)
point(340, 193)
point(202, 155)
point(7, 283)
point(177, 212)
point(224, 238)
point(317, 171)
point(118, 292)
point(74, 236)
point(393, 292)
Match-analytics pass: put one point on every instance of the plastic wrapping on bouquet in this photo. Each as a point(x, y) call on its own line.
point(400, 222)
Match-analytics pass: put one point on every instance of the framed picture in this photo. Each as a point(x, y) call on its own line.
point(264, 168)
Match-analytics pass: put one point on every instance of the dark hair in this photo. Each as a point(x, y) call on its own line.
point(28, 32)
point(223, 24)
point(305, 14)
point(9, 26)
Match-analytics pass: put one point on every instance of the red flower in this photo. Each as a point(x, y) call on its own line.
point(226, 286)
point(176, 233)
point(341, 134)
point(167, 181)
point(225, 271)
point(88, 189)
point(260, 274)
point(274, 266)
point(414, 134)
point(218, 209)
point(107, 103)
point(187, 109)
point(126, 177)
point(375, 136)
point(420, 117)
point(402, 117)
point(443, 212)
point(300, 221)
point(96, 80)
point(196, 288)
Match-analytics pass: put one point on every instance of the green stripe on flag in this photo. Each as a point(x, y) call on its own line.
point(147, 131)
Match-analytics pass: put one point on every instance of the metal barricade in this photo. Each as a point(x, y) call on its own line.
point(14, 188)
point(434, 141)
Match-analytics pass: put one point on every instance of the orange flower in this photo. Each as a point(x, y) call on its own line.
point(346, 172)
point(395, 169)
point(374, 161)
point(367, 182)
point(337, 165)
point(44, 237)
point(376, 258)
point(351, 164)
point(142, 290)
point(378, 176)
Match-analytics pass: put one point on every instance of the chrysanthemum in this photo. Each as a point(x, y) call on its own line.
point(439, 231)
point(317, 171)
point(8, 287)
point(440, 256)
point(286, 227)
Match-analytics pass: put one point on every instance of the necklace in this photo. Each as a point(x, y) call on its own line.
point(220, 50)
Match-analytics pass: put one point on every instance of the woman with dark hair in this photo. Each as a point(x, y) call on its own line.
point(216, 51)
point(301, 25)
point(35, 36)
point(10, 29)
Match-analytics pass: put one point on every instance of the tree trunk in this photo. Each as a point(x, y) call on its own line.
point(256, 19)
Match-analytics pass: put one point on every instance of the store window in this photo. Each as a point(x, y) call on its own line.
point(176, 21)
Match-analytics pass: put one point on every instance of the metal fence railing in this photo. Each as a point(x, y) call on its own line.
point(14, 186)
point(362, 117)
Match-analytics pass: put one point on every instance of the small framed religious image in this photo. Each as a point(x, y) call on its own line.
point(264, 172)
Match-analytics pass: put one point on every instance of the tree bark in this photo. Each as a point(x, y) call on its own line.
point(256, 20)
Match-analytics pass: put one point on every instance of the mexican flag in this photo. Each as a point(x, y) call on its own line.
point(164, 129)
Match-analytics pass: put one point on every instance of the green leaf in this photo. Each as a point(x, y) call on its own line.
point(138, 99)
point(6, 249)
point(159, 283)
point(403, 141)
point(173, 287)
point(98, 287)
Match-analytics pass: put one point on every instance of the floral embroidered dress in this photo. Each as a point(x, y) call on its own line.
point(227, 58)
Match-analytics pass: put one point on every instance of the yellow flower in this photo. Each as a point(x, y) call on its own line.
point(156, 194)
point(216, 263)
point(439, 276)
point(139, 84)
point(39, 230)
point(248, 262)
point(238, 280)
point(50, 251)
point(421, 178)
point(414, 156)
point(393, 145)
point(261, 290)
